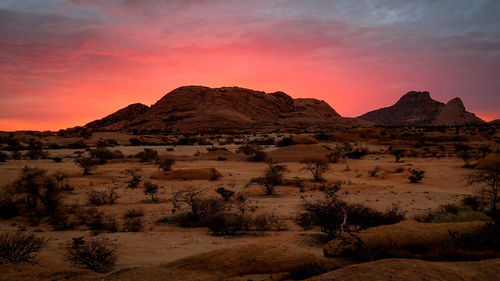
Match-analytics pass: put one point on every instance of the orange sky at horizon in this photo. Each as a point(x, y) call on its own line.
point(64, 63)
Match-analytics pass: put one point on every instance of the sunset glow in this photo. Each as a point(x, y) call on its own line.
point(64, 63)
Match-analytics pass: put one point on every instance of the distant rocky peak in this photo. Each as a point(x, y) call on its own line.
point(415, 97)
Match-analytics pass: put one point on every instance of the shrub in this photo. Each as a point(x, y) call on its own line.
point(39, 193)
point(57, 159)
point(104, 154)
point(316, 166)
point(473, 202)
point(8, 209)
point(334, 216)
point(135, 178)
point(87, 164)
point(135, 141)
point(192, 209)
point(373, 172)
point(98, 254)
point(416, 175)
point(233, 218)
point(259, 156)
point(133, 220)
point(3, 156)
point(225, 193)
point(248, 149)
point(488, 175)
point(268, 222)
point(224, 224)
point(36, 154)
point(273, 176)
point(147, 155)
point(453, 213)
point(97, 220)
point(151, 189)
point(103, 197)
point(286, 141)
point(398, 153)
point(166, 165)
point(19, 247)
point(356, 153)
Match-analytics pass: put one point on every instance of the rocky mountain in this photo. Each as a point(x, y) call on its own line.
point(419, 109)
point(203, 109)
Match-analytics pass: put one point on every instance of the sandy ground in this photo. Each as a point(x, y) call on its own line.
point(156, 244)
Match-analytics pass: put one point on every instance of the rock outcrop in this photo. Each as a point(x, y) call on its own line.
point(419, 109)
point(203, 109)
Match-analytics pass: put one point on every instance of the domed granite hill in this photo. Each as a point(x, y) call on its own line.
point(203, 109)
point(419, 109)
point(453, 113)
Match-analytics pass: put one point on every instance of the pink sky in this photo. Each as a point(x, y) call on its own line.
point(65, 63)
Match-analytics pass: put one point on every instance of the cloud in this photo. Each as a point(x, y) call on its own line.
point(67, 53)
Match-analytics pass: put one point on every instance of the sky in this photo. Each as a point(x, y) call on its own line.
point(64, 63)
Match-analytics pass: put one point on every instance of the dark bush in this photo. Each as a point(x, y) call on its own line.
point(57, 159)
point(273, 176)
point(40, 194)
point(286, 141)
point(248, 149)
point(316, 166)
point(357, 153)
point(416, 175)
point(225, 193)
point(225, 224)
point(18, 247)
point(166, 165)
point(97, 220)
point(151, 189)
point(36, 154)
point(135, 141)
point(135, 178)
point(259, 156)
point(473, 202)
point(104, 154)
point(3, 156)
point(8, 209)
point(87, 164)
point(191, 209)
point(97, 254)
point(103, 197)
point(335, 216)
point(147, 155)
point(133, 220)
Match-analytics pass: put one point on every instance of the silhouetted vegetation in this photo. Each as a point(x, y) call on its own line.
point(415, 175)
point(103, 197)
point(273, 176)
point(335, 216)
point(19, 246)
point(316, 166)
point(96, 254)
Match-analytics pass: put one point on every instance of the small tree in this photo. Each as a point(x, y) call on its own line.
point(135, 178)
point(273, 176)
point(98, 254)
point(317, 166)
point(151, 189)
point(398, 153)
point(416, 175)
point(488, 175)
point(87, 164)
